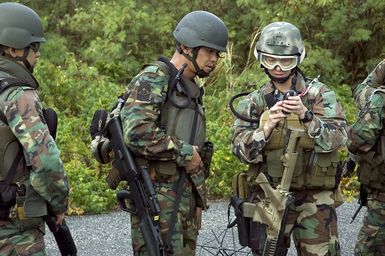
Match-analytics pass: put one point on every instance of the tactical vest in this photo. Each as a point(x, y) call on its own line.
point(30, 206)
point(371, 170)
point(186, 123)
point(313, 170)
point(9, 146)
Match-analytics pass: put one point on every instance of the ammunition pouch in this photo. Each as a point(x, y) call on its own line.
point(312, 170)
point(251, 234)
point(206, 155)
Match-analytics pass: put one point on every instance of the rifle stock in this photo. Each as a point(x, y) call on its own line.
point(273, 209)
point(142, 196)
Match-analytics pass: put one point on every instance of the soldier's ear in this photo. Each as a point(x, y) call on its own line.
point(184, 49)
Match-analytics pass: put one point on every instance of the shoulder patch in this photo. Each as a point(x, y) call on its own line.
point(144, 91)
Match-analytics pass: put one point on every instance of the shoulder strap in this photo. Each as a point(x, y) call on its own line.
point(9, 82)
point(167, 67)
point(2, 118)
point(269, 98)
point(6, 83)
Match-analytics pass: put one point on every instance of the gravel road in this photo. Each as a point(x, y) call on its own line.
point(109, 234)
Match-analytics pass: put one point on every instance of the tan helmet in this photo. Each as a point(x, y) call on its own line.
point(280, 39)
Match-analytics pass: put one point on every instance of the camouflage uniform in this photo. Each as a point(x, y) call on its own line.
point(365, 139)
point(44, 178)
point(163, 152)
point(312, 218)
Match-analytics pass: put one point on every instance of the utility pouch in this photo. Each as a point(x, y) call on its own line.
point(251, 234)
point(240, 186)
point(206, 156)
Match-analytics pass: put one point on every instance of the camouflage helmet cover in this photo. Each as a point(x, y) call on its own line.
point(201, 28)
point(19, 26)
point(282, 39)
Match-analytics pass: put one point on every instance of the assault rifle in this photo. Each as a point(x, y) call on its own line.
point(141, 194)
point(362, 201)
point(62, 235)
point(273, 209)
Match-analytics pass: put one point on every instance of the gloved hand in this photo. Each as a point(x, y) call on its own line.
point(98, 122)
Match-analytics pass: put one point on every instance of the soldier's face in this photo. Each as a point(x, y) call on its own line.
point(32, 56)
point(207, 59)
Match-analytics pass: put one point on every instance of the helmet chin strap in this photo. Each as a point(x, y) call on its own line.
point(24, 59)
point(198, 71)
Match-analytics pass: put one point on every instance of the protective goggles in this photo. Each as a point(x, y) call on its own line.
point(286, 63)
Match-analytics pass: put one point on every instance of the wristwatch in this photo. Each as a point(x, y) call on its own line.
point(308, 117)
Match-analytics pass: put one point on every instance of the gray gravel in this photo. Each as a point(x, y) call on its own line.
point(109, 234)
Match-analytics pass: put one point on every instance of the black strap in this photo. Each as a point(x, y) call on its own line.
point(269, 98)
point(3, 118)
point(180, 185)
point(8, 82)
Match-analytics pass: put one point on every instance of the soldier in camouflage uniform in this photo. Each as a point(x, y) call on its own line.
point(167, 131)
point(366, 145)
point(38, 176)
point(312, 219)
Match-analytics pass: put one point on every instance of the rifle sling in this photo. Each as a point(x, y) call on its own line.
point(179, 189)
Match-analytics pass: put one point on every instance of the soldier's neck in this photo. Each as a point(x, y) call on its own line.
point(283, 87)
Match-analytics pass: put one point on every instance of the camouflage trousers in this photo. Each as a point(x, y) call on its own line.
point(14, 242)
point(312, 221)
point(371, 237)
point(186, 230)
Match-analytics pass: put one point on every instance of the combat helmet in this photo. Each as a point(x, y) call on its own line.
point(280, 40)
point(201, 28)
point(19, 26)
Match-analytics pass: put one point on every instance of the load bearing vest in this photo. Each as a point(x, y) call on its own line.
point(313, 170)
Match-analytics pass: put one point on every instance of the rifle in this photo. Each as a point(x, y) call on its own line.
point(61, 233)
point(273, 209)
point(141, 193)
point(362, 201)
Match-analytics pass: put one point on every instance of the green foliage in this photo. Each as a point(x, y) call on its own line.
point(95, 47)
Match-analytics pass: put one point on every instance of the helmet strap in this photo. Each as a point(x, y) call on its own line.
point(198, 71)
point(24, 59)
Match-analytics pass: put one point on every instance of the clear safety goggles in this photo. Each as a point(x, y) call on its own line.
point(286, 63)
